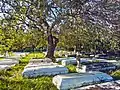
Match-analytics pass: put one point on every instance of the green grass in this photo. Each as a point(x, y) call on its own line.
point(116, 74)
point(71, 68)
point(1, 58)
point(12, 79)
point(30, 56)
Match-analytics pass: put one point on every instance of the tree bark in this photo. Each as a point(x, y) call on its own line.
point(52, 43)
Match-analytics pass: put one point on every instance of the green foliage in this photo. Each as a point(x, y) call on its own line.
point(25, 29)
point(33, 28)
point(11, 39)
point(71, 68)
point(116, 74)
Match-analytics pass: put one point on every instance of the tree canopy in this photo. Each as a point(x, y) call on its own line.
point(88, 23)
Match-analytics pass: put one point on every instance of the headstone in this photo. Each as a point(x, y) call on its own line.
point(74, 80)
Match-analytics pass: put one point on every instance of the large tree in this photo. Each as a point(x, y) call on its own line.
point(43, 15)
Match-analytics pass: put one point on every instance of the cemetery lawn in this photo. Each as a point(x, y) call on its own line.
point(116, 75)
point(12, 79)
point(71, 68)
point(1, 58)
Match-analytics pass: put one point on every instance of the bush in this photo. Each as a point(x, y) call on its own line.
point(71, 68)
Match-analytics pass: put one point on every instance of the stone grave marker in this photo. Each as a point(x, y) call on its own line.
point(7, 63)
point(43, 67)
point(74, 80)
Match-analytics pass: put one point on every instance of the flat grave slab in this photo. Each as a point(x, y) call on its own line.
point(66, 58)
point(44, 70)
point(67, 62)
point(39, 64)
point(73, 61)
point(41, 67)
point(8, 62)
point(20, 53)
point(2, 67)
point(14, 57)
point(100, 66)
point(113, 85)
point(47, 60)
point(74, 80)
point(84, 60)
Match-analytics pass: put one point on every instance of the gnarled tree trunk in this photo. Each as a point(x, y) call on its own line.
point(52, 43)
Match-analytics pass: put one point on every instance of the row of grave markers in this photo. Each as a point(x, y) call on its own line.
point(62, 79)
